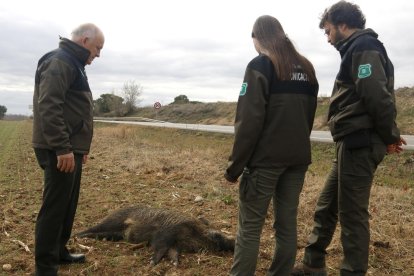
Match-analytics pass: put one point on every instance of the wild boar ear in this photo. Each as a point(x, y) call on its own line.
point(203, 220)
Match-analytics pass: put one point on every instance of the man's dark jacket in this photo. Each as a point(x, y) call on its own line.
point(62, 101)
point(363, 95)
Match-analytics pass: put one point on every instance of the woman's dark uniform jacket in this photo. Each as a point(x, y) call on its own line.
point(274, 119)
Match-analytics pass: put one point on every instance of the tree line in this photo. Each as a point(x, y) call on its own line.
point(113, 105)
point(109, 104)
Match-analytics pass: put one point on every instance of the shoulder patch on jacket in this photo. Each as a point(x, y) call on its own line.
point(243, 89)
point(364, 71)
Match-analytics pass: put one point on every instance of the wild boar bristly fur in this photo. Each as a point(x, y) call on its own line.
point(169, 233)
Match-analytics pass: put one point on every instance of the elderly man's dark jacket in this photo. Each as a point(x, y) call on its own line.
point(62, 101)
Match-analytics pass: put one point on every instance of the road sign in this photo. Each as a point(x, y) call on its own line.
point(157, 105)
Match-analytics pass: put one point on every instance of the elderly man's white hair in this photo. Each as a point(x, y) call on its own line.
point(85, 30)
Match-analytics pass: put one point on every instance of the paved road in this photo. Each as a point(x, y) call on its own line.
point(318, 136)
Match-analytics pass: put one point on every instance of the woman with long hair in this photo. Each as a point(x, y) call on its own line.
point(271, 151)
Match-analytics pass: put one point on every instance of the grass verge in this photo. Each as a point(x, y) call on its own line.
point(169, 168)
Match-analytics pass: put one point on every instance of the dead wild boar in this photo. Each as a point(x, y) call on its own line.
point(169, 233)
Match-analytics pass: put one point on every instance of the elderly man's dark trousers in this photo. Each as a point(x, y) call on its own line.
point(55, 219)
point(346, 197)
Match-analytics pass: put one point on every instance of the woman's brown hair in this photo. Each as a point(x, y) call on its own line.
point(274, 43)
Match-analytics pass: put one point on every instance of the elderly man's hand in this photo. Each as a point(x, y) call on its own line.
point(66, 162)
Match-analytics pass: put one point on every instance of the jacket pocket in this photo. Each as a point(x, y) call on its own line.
point(247, 188)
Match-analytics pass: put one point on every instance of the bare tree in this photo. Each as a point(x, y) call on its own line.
point(131, 92)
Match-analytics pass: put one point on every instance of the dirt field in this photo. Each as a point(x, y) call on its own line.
point(168, 169)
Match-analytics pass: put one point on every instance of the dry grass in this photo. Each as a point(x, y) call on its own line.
point(169, 168)
point(219, 113)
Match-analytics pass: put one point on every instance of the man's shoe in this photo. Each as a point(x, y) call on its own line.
point(72, 258)
point(304, 270)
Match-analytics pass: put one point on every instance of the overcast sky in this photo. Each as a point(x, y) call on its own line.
point(173, 47)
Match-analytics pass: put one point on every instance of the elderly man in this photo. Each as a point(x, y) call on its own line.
point(62, 135)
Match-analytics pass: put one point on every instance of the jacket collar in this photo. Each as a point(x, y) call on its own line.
point(79, 52)
point(343, 45)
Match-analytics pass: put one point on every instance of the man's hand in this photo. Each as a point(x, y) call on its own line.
point(66, 162)
point(84, 159)
point(397, 147)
